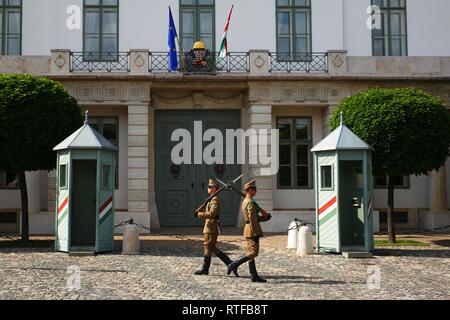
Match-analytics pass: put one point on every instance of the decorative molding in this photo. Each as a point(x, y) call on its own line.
point(198, 100)
point(108, 91)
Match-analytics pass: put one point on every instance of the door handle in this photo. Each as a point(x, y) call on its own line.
point(356, 203)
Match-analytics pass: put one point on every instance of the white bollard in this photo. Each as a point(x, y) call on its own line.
point(305, 245)
point(292, 235)
point(130, 244)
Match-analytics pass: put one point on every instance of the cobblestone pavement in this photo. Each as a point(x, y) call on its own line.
point(165, 269)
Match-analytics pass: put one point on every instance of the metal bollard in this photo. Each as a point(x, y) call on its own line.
point(130, 244)
point(305, 245)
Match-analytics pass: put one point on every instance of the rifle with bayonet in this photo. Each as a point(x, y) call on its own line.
point(205, 203)
point(229, 186)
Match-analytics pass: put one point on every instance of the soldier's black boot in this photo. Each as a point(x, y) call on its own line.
point(225, 259)
point(205, 269)
point(254, 273)
point(235, 264)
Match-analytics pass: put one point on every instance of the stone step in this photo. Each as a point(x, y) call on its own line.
point(356, 254)
point(81, 253)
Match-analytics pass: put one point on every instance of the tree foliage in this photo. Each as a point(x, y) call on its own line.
point(35, 115)
point(409, 129)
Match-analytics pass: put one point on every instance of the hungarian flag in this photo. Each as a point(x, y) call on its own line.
point(223, 51)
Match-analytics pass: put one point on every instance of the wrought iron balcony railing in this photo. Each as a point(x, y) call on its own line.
point(234, 62)
point(300, 62)
point(100, 61)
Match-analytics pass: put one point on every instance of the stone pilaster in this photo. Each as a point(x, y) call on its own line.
point(260, 117)
point(327, 113)
point(138, 164)
point(154, 218)
point(438, 191)
point(51, 198)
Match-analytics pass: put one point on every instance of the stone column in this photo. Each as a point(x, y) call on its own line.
point(138, 164)
point(154, 218)
point(438, 191)
point(60, 62)
point(260, 117)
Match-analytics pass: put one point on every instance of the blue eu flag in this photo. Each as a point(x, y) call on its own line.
point(173, 59)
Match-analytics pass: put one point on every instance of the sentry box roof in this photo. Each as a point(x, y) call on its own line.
point(342, 138)
point(86, 137)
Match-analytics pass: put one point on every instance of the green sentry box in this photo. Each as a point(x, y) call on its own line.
point(343, 192)
point(85, 175)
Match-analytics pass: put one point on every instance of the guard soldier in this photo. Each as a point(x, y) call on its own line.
point(211, 230)
point(253, 214)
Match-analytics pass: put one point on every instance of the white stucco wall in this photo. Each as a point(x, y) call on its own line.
point(357, 37)
point(337, 24)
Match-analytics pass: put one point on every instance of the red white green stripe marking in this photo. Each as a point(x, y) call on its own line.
point(223, 50)
point(328, 210)
point(105, 208)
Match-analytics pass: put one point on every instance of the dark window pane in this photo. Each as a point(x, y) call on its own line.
point(285, 155)
point(398, 181)
point(63, 176)
point(302, 176)
point(92, 2)
point(282, 2)
point(302, 129)
point(110, 22)
point(187, 2)
point(110, 131)
point(284, 23)
point(302, 154)
point(92, 22)
point(8, 217)
point(206, 2)
point(106, 176)
point(284, 127)
point(284, 176)
point(110, 2)
point(325, 177)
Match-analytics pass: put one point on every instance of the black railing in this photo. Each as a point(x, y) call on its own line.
point(234, 62)
point(301, 62)
point(100, 61)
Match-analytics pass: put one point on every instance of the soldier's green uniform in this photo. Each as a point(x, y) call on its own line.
point(253, 214)
point(211, 232)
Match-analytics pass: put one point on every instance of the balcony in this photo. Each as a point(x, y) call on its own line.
point(248, 65)
point(136, 61)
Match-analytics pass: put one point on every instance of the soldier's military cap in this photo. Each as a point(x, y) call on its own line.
point(250, 184)
point(212, 182)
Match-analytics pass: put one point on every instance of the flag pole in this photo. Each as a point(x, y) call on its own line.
point(182, 61)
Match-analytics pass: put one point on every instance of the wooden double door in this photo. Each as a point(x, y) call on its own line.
point(180, 189)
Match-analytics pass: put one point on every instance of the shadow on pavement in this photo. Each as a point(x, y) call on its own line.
point(430, 253)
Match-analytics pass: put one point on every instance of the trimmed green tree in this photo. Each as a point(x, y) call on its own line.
point(409, 130)
point(35, 115)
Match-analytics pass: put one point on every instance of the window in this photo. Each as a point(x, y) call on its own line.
point(293, 29)
point(101, 29)
point(63, 176)
point(10, 27)
point(106, 177)
point(391, 38)
point(197, 23)
point(295, 157)
point(8, 217)
point(326, 177)
point(109, 128)
point(9, 180)
point(397, 217)
point(399, 182)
